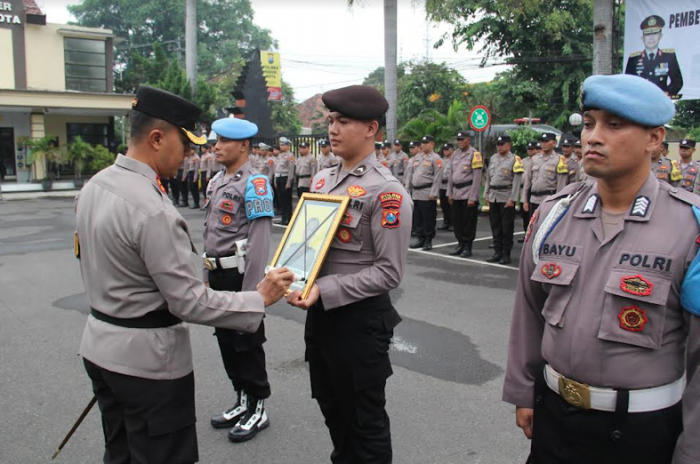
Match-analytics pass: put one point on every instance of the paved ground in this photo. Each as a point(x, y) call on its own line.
point(449, 355)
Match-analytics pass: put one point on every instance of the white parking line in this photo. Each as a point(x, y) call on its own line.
point(476, 240)
point(464, 260)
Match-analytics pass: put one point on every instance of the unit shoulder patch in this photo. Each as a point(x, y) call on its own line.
point(477, 161)
point(562, 167)
point(518, 167)
point(258, 198)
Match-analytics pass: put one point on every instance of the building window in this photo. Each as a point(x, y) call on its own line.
point(86, 65)
point(94, 134)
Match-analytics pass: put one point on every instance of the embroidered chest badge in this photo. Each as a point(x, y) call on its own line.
point(260, 184)
point(355, 191)
point(391, 205)
point(551, 270)
point(226, 219)
point(344, 235)
point(347, 219)
point(319, 185)
point(636, 285)
point(226, 205)
point(632, 318)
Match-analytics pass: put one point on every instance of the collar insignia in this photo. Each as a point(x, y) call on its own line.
point(641, 206)
point(591, 203)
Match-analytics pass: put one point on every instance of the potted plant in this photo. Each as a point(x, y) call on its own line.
point(79, 152)
point(40, 152)
point(101, 158)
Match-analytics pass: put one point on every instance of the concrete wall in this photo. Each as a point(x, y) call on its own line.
point(20, 123)
point(45, 63)
point(7, 69)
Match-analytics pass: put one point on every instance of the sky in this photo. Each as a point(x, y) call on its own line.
point(323, 44)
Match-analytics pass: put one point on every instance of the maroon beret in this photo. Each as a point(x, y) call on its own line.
point(357, 101)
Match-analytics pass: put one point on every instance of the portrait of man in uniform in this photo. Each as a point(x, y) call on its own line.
point(657, 65)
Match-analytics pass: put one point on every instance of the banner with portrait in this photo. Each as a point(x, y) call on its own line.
point(662, 44)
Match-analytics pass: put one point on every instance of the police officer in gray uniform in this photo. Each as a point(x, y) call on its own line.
point(604, 353)
point(503, 178)
point(351, 319)
point(284, 179)
point(304, 169)
point(136, 261)
point(547, 173)
point(399, 161)
point(423, 181)
point(689, 167)
point(237, 226)
point(445, 205)
point(665, 169)
point(327, 158)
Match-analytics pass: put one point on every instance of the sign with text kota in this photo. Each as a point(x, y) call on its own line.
point(662, 45)
point(272, 70)
point(479, 118)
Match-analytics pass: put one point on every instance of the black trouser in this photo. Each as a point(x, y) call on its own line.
point(347, 349)
point(565, 434)
point(176, 186)
point(525, 214)
point(445, 207)
point(426, 217)
point(203, 183)
point(145, 421)
point(464, 220)
point(285, 197)
point(533, 208)
point(502, 227)
point(242, 353)
point(193, 187)
point(301, 191)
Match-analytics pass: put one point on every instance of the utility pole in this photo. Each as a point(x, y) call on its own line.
point(191, 42)
point(390, 72)
point(603, 36)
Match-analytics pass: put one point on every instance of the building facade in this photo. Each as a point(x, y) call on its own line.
point(55, 80)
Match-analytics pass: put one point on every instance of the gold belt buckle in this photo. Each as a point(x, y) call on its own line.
point(574, 393)
point(209, 264)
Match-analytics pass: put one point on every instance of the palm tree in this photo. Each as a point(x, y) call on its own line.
point(442, 127)
point(390, 78)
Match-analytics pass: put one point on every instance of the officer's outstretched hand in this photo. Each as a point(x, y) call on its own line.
point(294, 298)
point(275, 284)
point(524, 418)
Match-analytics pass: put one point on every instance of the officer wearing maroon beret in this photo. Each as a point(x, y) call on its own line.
point(604, 357)
point(351, 318)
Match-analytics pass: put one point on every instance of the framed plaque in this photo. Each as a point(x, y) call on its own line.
point(308, 236)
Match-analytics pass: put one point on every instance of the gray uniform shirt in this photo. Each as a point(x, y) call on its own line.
point(226, 221)
point(691, 177)
point(546, 175)
point(284, 165)
point(465, 177)
point(399, 164)
point(368, 254)
point(305, 170)
point(664, 170)
point(192, 165)
point(503, 178)
point(570, 309)
point(136, 257)
point(446, 171)
point(425, 173)
point(327, 161)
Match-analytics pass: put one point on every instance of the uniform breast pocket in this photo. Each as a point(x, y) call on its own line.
point(559, 275)
point(634, 309)
point(348, 236)
point(227, 216)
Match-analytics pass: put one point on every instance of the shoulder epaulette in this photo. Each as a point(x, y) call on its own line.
point(635, 54)
point(681, 194)
point(668, 50)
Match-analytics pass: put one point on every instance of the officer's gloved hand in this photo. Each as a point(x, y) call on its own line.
point(275, 285)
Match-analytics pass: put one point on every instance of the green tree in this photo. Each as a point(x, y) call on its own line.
point(226, 34)
point(520, 138)
point(549, 42)
point(285, 117)
point(376, 77)
point(687, 114)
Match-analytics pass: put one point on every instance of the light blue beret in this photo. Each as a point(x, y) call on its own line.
point(234, 128)
point(631, 97)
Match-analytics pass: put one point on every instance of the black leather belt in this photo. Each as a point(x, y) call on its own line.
point(543, 192)
point(462, 185)
point(154, 320)
point(304, 176)
point(500, 187)
point(421, 187)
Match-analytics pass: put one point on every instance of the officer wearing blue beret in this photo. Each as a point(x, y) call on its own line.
point(237, 226)
point(657, 65)
point(605, 339)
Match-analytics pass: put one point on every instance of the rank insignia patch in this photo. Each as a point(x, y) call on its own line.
point(551, 270)
point(636, 285)
point(632, 318)
point(344, 235)
point(391, 204)
point(355, 191)
point(160, 184)
point(640, 206)
point(226, 219)
point(226, 205)
point(319, 185)
point(260, 184)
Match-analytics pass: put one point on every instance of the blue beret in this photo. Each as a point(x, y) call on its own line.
point(631, 97)
point(234, 128)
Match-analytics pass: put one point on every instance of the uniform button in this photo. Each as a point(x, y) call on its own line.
point(674, 190)
point(616, 435)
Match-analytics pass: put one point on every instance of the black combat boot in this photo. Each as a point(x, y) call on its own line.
point(252, 422)
point(418, 243)
point(467, 251)
point(230, 417)
point(505, 259)
point(458, 250)
point(428, 245)
point(497, 256)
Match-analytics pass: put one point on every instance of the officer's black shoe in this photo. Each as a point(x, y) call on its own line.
point(194, 207)
point(285, 222)
point(230, 417)
point(467, 252)
point(428, 245)
point(417, 243)
point(495, 258)
point(254, 420)
point(444, 226)
point(457, 251)
point(505, 259)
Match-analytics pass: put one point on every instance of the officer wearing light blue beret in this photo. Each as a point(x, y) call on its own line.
point(237, 229)
point(605, 336)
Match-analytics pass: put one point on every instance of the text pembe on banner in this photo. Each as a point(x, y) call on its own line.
point(662, 45)
point(308, 236)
